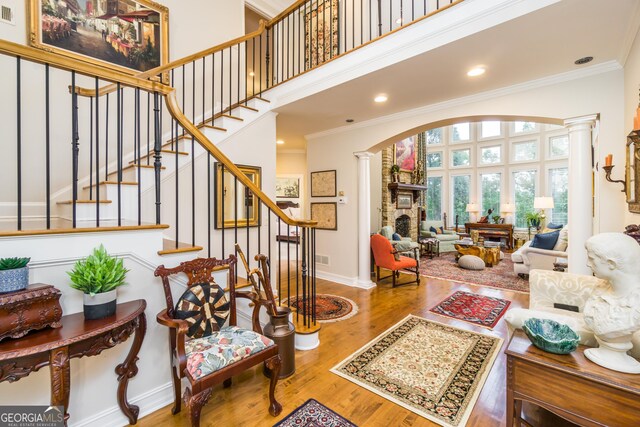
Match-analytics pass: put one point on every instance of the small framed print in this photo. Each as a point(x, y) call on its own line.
point(326, 213)
point(404, 201)
point(323, 184)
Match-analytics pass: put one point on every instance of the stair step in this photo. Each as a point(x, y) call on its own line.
point(261, 99)
point(205, 125)
point(182, 153)
point(136, 165)
point(229, 116)
point(64, 226)
point(70, 202)
point(169, 247)
point(249, 108)
point(110, 183)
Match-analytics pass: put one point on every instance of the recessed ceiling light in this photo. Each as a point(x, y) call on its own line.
point(279, 142)
point(380, 98)
point(477, 71)
point(251, 74)
point(584, 60)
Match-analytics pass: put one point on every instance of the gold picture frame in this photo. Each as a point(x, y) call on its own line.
point(326, 213)
point(130, 36)
point(226, 198)
point(404, 154)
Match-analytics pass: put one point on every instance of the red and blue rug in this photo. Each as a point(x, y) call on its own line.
point(314, 414)
point(473, 308)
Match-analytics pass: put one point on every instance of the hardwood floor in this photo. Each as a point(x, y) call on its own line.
point(245, 403)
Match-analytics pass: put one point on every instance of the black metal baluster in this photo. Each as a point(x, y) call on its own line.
point(230, 81)
point(267, 62)
point(246, 72)
point(331, 28)
point(361, 22)
point(297, 258)
point(97, 89)
point(75, 148)
point(371, 20)
point(390, 15)
point(119, 153)
point(106, 139)
point(308, 21)
point(401, 14)
point(253, 67)
point(157, 147)
point(213, 87)
point(173, 122)
point(91, 148)
point(204, 87)
point(48, 145)
point(177, 169)
point(19, 138)
point(193, 155)
point(288, 45)
point(304, 279)
point(260, 59)
point(353, 24)
point(139, 138)
point(247, 193)
point(238, 82)
point(269, 232)
point(425, 7)
point(289, 257)
point(235, 216)
point(224, 193)
point(280, 259)
point(148, 128)
point(317, 34)
point(379, 18)
point(313, 274)
point(209, 205)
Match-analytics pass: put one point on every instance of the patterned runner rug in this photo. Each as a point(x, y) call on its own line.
point(314, 414)
point(329, 308)
point(500, 276)
point(434, 370)
point(473, 308)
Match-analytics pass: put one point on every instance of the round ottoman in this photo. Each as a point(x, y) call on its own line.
point(471, 262)
point(501, 255)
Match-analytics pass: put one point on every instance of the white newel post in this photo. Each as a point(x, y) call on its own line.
point(580, 191)
point(364, 219)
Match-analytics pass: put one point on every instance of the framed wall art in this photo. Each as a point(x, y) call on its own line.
point(404, 201)
point(321, 32)
point(287, 187)
point(229, 196)
point(127, 35)
point(323, 184)
point(404, 154)
point(326, 213)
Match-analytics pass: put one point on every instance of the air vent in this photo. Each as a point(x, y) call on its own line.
point(6, 14)
point(322, 259)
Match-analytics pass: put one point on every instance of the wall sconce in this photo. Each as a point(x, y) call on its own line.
point(608, 168)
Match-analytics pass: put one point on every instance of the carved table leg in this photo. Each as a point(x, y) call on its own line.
point(128, 369)
point(60, 379)
point(274, 365)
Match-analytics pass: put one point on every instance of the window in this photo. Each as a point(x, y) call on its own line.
point(558, 188)
point(461, 157)
point(434, 136)
point(461, 185)
point(434, 160)
point(525, 151)
point(460, 132)
point(490, 192)
point(490, 155)
point(559, 146)
point(524, 191)
point(490, 129)
point(524, 127)
point(434, 198)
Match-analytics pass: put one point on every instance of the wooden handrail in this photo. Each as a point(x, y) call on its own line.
point(192, 129)
point(69, 64)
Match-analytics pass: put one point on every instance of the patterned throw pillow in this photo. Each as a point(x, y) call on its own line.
point(433, 230)
point(205, 307)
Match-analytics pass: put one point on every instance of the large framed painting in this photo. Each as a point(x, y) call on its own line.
point(404, 154)
point(231, 196)
point(287, 187)
point(326, 213)
point(321, 33)
point(323, 184)
point(126, 35)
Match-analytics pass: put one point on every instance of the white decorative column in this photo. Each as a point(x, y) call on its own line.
point(580, 191)
point(364, 220)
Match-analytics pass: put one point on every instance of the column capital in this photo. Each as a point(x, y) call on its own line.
point(582, 120)
point(363, 154)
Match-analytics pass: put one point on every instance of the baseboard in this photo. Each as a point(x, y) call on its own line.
point(343, 280)
point(148, 402)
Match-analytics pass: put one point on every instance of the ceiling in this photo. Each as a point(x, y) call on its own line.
point(536, 45)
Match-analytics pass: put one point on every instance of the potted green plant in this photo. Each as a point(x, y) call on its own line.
point(533, 219)
point(14, 274)
point(98, 276)
point(395, 173)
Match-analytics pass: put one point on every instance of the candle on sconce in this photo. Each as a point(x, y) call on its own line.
point(608, 161)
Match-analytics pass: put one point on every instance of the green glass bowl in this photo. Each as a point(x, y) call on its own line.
point(551, 336)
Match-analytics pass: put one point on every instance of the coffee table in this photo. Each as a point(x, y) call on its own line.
point(490, 255)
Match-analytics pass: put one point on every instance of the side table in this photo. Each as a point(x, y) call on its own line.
point(429, 246)
point(569, 386)
point(77, 337)
point(561, 264)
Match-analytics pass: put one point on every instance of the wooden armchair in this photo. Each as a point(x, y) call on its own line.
point(384, 256)
point(240, 350)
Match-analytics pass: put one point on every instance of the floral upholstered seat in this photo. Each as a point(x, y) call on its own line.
point(222, 348)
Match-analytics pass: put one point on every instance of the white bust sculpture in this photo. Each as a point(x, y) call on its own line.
point(614, 314)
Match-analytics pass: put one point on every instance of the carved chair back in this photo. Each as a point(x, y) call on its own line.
point(200, 270)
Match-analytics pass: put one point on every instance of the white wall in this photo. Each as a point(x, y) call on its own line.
point(556, 97)
point(631, 102)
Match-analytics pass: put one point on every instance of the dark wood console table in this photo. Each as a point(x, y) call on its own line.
point(77, 338)
point(492, 230)
point(569, 386)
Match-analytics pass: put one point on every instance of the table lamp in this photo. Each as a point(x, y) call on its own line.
point(472, 208)
point(507, 209)
point(543, 203)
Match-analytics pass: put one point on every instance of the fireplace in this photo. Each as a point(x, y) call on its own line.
point(403, 225)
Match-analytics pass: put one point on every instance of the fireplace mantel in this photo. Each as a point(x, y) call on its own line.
point(394, 187)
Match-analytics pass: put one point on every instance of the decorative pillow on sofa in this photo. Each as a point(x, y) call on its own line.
point(545, 240)
point(433, 229)
point(396, 236)
point(553, 226)
point(205, 308)
point(563, 240)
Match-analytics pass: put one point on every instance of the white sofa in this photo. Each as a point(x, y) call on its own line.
point(549, 287)
point(527, 258)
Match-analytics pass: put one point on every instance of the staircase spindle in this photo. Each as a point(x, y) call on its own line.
point(97, 87)
point(119, 150)
point(75, 148)
point(138, 154)
point(19, 137)
point(157, 147)
point(47, 113)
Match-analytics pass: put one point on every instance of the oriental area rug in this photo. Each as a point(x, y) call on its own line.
point(473, 308)
point(314, 414)
point(500, 276)
point(434, 370)
point(329, 308)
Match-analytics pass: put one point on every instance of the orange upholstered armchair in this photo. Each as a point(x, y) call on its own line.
point(384, 256)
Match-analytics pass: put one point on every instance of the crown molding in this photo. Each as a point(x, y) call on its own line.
point(268, 8)
point(582, 73)
point(632, 31)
